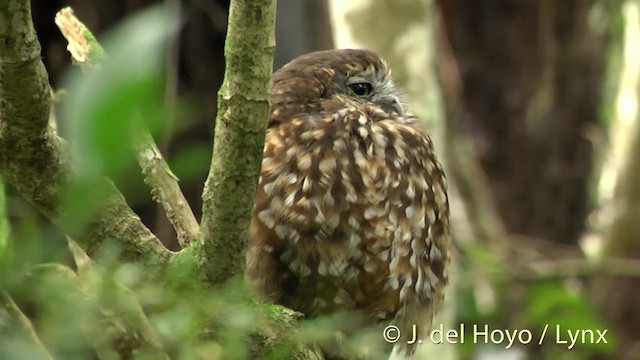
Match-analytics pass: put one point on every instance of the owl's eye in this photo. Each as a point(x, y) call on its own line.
point(361, 88)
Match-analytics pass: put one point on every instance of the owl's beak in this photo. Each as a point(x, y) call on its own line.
point(391, 103)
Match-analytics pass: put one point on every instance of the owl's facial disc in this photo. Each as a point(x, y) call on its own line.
point(377, 90)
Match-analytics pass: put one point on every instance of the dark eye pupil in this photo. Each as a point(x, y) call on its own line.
point(361, 89)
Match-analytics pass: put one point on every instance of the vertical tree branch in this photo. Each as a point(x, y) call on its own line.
point(243, 107)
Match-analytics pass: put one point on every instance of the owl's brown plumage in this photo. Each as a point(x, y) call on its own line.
point(351, 211)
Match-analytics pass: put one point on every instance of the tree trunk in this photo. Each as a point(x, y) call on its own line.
point(620, 200)
point(531, 75)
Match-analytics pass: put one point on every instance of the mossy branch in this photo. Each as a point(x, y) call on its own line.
point(243, 107)
point(36, 161)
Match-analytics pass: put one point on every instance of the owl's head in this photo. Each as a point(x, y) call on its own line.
point(329, 80)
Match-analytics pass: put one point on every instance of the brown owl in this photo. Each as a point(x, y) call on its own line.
point(351, 211)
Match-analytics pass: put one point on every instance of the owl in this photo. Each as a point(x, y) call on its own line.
point(351, 211)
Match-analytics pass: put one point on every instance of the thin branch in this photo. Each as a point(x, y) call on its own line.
point(578, 267)
point(165, 189)
point(37, 162)
point(157, 175)
point(82, 45)
point(82, 260)
point(25, 324)
point(243, 108)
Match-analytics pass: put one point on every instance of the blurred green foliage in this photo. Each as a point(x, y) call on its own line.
point(561, 305)
point(4, 219)
point(564, 310)
point(104, 109)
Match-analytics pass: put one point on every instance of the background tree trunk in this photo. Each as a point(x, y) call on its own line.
point(531, 78)
point(620, 199)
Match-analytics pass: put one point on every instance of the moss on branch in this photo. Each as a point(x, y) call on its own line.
point(243, 107)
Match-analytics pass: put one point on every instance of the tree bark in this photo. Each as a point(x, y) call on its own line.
point(241, 122)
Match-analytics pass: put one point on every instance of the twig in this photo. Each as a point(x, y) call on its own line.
point(24, 323)
point(568, 268)
point(562, 269)
point(165, 189)
point(85, 51)
point(82, 260)
point(36, 161)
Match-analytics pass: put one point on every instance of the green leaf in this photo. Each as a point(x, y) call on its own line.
point(554, 305)
point(106, 106)
point(190, 162)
